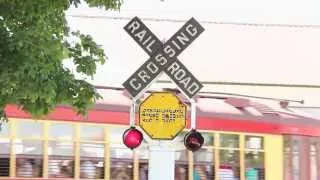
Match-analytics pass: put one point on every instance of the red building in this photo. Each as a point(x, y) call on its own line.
point(244, 138)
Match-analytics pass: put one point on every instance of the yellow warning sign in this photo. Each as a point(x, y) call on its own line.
point(162, 115)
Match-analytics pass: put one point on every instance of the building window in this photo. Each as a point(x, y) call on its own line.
point(254, 165)
point(203, 164)
point(181, 165)
point(116, 134)
point(313, 162)
point(181, 158)
point(291, 158)
point(29, 129)
point(254, 158)
point(208, 139)
point(28, 148)
point(4, 157)
point(314, 158)
point(91, 160)
point(92, 152)
point(28, 158)
point(121, 162)
point(60, 151)
point(254, 143)
point(60, 131)
point(120, 156)
point(229, 140)
point(143, 154)
point(229, 157)
point(4, 150)
point(4, 129)
point(61, 159)
point(92, 133)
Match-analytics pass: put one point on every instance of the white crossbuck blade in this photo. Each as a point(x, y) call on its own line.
point(163, 57)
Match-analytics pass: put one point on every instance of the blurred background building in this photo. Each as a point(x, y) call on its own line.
point(259, 110)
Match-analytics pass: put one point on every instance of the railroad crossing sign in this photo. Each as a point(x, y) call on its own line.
point(162, 115)
point(163, 57)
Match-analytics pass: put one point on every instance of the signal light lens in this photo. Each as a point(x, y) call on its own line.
point(193, 140)
point(132, 137)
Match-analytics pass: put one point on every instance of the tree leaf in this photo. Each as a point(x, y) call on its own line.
point(33, 47)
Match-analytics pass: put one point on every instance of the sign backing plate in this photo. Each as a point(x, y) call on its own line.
point(162, 115)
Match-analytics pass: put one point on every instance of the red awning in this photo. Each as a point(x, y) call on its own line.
point(221, 113)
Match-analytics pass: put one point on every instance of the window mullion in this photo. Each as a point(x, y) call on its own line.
point(77, 152)
point(106, 154)
point(216, 155)
point(45, 149)
point(242, 158)
point(191, 163)
point(136, 164)
point(12, 149)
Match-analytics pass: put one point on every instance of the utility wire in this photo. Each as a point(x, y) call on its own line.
point(305, 107)
point(249, 96)
point(313, 26)
point(216, 22)
point(226, 83)
point(211, 94)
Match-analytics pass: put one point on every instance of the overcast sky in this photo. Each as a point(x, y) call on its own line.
point(251, 11)
point(291, 53)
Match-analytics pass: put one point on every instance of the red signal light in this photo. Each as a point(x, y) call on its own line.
point(132, 137)
point(193, 140)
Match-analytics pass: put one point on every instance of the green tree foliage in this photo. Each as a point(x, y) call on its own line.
point(33, 45)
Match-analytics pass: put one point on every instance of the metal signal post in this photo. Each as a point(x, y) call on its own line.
point(162, 115)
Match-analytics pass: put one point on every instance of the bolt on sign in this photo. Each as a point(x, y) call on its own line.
point(163, 57)
point(162, 115)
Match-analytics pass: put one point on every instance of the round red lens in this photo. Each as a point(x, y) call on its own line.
point(132, 138)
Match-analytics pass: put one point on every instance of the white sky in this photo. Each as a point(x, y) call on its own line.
point(253, 11)
point(222, 52)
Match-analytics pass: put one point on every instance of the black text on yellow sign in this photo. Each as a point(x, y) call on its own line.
point(162, 115)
